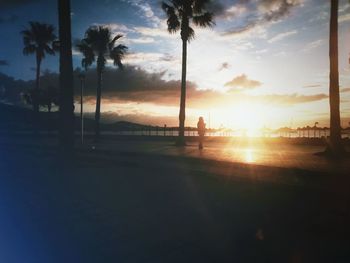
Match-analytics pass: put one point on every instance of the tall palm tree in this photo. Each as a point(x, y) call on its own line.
point(66, 127)
point(335, 146)
point(96, 46)
point(181, 14)
point(38, 39)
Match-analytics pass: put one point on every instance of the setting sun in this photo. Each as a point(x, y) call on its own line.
point(247, 118)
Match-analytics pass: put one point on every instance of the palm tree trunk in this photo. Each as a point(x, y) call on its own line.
point(98, 104)
point(66, 126)
point(182, 114)
point(35, 97)
point(38, 66)
point(334, 97)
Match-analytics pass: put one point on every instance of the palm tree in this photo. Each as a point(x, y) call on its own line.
point(38, 39)
point(66, 126)
point(335, 146)
point(97, 45)
point(180, 15)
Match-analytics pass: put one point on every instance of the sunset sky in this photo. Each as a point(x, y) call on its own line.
point(265, 62)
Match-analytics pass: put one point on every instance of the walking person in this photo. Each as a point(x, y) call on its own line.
point(201, 131)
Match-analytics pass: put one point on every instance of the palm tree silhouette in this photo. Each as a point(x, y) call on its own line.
point(97, 44)
point(180, 15)
point(39, 39)
point(66, 127)
point(335, 146)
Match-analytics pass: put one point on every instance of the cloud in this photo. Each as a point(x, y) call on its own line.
point(224, 65)
point(231, 12)
point(274, 10)
point(344, 7)
point(313, 45)
point(312, 86)
point(261, 51)
point(142, 57)
point(115, 27)
point(245, 29)
point(135, 85)
point(282, 36)
point(345, 90)
point(292, 99)
point(264, 13)
point(8, 19)
point(146, 10)
point(216, 7)
point(344, 18)
point(242, 82)
point(154, 32)
point(141, 40)
point(4, 62)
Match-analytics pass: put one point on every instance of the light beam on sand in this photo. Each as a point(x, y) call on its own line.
point(249, 156)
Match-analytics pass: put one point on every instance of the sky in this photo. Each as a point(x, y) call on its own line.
point(264, 63)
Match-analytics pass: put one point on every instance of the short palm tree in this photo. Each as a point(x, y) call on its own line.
point(335, 146)
point(96, 46)
point(181, 14)
point(39, 39)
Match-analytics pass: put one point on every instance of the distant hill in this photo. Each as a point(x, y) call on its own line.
point(15, 117)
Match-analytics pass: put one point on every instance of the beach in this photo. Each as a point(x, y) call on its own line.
point(152, 202)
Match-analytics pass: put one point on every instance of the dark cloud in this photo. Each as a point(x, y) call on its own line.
point(167, 58)
point(4, 62)
point(248, 26)
point(243, 29)
point(242, 82)
point(221, 8)
point(224, 65)
point(216, 7)
point(8, 19)
point(275, 10)
point(135, 84)
point(139, 86)
point(263, 13)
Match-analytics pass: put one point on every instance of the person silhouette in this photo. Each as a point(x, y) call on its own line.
point(201, 131)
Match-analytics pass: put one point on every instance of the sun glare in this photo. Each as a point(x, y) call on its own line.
point(246, 117)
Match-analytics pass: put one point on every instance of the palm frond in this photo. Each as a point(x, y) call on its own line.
point(56, 45)
point(117, 54)
point(88, 54)
point(191, 34)
point(38, 38)
point(49, 50)
point(173, 20)
point(98, 37)
point(29, 49)
point(204, 20)
point(112, 43)
point(187, 33)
